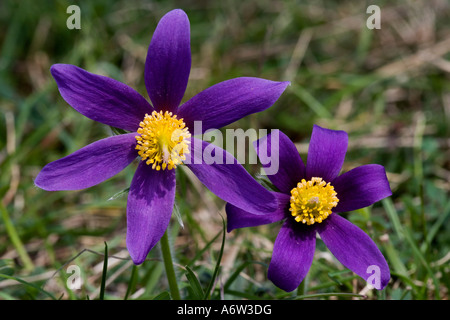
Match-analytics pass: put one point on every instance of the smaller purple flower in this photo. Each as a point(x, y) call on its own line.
point(160, 134)
point(309, 200)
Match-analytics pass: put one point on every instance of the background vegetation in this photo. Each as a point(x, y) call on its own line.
point(388, 88)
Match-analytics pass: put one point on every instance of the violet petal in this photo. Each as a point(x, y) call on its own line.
point(101, 98)
point(285, 158)
point(326, 153)
point(238, 218)
point(149, 208)
point(355, 250)
point(220, 172)
point(89, 165)
point(168, 62)
point(292, 256)
point(361, 187)
point(229, 101)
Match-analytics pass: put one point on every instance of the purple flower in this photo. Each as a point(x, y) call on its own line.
point(309, 200)
point(159, 134)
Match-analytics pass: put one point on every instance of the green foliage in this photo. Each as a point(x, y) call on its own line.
point(371, 83)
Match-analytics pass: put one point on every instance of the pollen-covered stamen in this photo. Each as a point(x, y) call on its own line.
point(312, 201)
point(163, 140)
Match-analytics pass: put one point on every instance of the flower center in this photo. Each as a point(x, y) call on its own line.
point(312, 201)
point(163, 140)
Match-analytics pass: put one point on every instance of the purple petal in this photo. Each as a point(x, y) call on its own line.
point(149, 208)
point(238, 218)
point(278, 154)
point(326, 153)
point(220, 172)
point(168, 61)
point(292, 256)
point(90, 165)
point(361, 187)
point(230, 101)
point(100, 98)
point(355, 250)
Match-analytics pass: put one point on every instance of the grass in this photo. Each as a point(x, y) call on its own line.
point(388, 88)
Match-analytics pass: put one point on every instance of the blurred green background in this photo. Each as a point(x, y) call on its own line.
point(388, 88)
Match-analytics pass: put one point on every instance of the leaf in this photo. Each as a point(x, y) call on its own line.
point(177, 213)
point(162, 296)
point(120, 194)
point(197, 289)
point(118, 131)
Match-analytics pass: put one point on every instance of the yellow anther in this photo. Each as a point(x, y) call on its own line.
point(312, 201)
point(163, 140)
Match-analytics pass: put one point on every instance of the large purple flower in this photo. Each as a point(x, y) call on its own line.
point(159, 134)
point(309, 200)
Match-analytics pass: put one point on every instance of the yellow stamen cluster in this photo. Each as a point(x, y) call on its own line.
point(163, 140)
point(312, 201)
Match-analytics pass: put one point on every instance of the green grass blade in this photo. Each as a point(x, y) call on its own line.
point(394, 258)
point(424, 262)
point(238, 270)
point(15, 239)
point(311, 102)
point(393, 216)
point(435, 228)
point(105, 270)
point(331, 294)
point(219, 259)
point(29, 285)
point(201, 252)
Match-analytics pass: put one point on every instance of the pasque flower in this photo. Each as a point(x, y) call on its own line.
point(159, 134)
point(309, 200)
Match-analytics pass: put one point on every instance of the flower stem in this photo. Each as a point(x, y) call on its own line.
point(301, 288)
point(168, 264)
